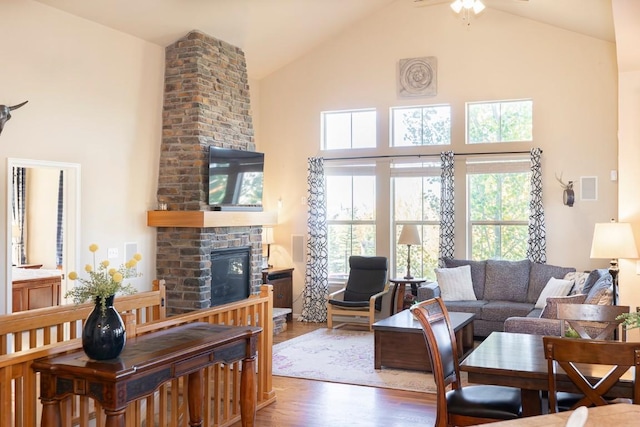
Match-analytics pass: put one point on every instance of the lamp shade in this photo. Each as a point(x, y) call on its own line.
point(613, 240)
point(409, 235)
point(267, 236)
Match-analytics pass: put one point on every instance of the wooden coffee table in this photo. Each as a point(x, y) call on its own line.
point(399, 342)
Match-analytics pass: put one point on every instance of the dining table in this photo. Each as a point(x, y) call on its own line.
point(517, 360)
point(620, 414)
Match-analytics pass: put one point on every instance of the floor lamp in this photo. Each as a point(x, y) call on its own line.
point(613, 240)
point(409, 236)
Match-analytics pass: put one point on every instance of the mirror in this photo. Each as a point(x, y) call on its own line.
point(43, 230)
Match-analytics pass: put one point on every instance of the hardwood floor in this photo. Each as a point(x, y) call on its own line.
point(320, 404)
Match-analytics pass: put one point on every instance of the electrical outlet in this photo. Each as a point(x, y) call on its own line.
point(112, 253)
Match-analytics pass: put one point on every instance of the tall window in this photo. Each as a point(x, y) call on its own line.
point(498, 200)
point(499, 121)
point(416, 200)
point(348, 129)
point(424, 125)
point(351, 215)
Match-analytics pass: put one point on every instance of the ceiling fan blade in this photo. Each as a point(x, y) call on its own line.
point(425, 3)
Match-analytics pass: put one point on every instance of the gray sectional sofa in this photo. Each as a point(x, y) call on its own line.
point(510, 289)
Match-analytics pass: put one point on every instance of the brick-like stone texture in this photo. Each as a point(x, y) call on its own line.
point(206, 102)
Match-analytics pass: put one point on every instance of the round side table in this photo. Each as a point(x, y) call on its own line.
point(401, 283)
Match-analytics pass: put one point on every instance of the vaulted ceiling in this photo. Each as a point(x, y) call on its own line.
point(273, 33)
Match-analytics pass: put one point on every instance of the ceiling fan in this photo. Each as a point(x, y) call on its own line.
point(462, 7)
point(457, 5)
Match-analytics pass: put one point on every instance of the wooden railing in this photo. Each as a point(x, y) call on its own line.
point(25, 337)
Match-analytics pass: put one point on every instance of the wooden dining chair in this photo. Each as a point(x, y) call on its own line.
point(592, 321)
point(459, 406)
point(593, 366)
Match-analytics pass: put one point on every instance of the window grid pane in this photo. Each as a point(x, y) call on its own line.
point(499, 212)
point(417, 201)
point(501, 121)
point(348, 129)
point(350, 219)
point(429, 125)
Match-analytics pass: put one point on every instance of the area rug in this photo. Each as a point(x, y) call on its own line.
point(342, 356)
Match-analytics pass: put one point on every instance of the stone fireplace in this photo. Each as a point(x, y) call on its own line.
point(206, 102)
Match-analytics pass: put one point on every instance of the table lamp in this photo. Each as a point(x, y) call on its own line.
point(409, 236)
point(613, 240)
point(267, 239)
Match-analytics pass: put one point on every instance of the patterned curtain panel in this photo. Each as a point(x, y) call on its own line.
point(537, 244)
point(18, 212)
point(316, 281)
point(447, 207)
point(59, 223)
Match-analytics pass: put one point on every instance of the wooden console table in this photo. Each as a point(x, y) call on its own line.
point(147, 362)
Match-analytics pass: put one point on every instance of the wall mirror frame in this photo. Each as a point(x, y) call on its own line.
point(70, 221)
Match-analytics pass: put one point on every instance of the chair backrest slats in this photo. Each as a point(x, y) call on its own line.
point(592, 321)
point(579, 359)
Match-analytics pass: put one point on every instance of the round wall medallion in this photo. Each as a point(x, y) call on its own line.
point(417, 76)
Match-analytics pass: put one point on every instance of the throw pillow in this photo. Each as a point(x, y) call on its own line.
point(601, 293)
point(554, 288)
point(540, 275)
point(478, 269)
point(595, 277)
point(550, 310)
point(579, 278)
point(455, 283)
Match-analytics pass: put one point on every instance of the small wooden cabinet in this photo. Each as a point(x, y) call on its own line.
point(282, 281)
point(36, 293)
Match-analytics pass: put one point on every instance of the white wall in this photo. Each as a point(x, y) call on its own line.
point(95, 99)
point(571, 78)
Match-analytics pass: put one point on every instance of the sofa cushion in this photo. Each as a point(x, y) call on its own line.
point(500, 311)
point(474, 307)
point(539, 277)
point(478, 271)
point(455, 283)
point(550, 310)
point(507, 281)
point(555, 288)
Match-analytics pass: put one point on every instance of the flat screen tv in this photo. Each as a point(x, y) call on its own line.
point(235, 179)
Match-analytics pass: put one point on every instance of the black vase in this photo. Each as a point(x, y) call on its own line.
point(103, 335)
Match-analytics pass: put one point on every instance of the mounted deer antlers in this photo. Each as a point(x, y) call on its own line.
point(568, 186)
point(567, 196)
point(5, 113)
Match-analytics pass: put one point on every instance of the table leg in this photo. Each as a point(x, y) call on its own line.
point(115, 418)
point(400, 297)
point(531, 402)
point(50, 413)
point(195, 396)
point(248, 392)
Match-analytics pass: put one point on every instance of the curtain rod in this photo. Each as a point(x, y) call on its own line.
point(426, 155)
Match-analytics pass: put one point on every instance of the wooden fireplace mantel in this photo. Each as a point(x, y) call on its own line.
point(203, 219)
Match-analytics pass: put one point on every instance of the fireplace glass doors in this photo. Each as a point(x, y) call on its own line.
point(230, 275)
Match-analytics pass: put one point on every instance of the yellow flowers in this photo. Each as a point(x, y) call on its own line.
point(103, 282)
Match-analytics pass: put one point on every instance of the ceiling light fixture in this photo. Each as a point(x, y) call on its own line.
point(465, 7)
